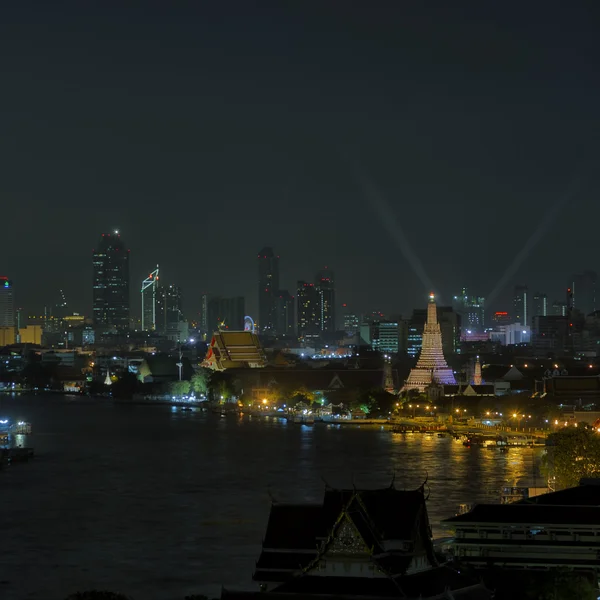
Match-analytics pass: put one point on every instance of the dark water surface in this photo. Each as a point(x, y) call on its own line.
point(158, 503)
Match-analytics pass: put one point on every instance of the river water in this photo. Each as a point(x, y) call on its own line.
point(158, 503)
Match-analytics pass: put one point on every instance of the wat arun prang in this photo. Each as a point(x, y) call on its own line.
point(431, 366)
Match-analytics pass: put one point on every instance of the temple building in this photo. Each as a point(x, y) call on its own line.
point(431, 366)
point(231, 349)
point(357, 543)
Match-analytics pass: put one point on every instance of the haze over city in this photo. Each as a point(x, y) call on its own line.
point(204, 131)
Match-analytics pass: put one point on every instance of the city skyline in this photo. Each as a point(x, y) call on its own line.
point(277, 156)
point(193, 310)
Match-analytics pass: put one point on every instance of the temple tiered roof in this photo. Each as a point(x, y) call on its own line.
point(355, 544)
point(431, 366)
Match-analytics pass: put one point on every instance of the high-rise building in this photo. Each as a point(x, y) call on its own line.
point(308, 310)
point(351, 321)
point(268, 285)
point(558, 309)
point(204, 314)
point(471, 310)
point(111, 283)
point(149, 295)
point(521, 304)
point(169, 308)
point(431, 366)
point(540, 305)
point(326, 286)
point(501, 317)
point(7, 303)
point(226, 314)
point(584, 291)
point(284, 306)
point(385, 336)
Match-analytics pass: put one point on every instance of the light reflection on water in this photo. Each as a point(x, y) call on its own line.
point(160, 504)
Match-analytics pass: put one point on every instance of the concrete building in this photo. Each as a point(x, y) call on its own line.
point(308, 310)
point(111, 283)
point(325, 284)
point(521, 304)
point(268, 286)
point(385, 336)
point(7, 303)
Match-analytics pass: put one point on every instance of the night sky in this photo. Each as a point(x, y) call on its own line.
point(207, 130)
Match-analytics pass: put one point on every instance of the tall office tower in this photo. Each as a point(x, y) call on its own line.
point(170, 307)
point(385, 336)
point(268, 285)
point(284, 304)
point(7, 303)
point(309, 310)
point(326, 287)
point(351, 321)
point(204, 314)
point(111, 283)
point(558, 309)
point(431, 366)
point(149, 298)
point(584, 291)
point(226, 314)
point(471, 310)
point(540, 305)
point(521, 304)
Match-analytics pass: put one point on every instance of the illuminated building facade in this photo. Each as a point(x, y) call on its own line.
point(326, 287)
point(431, 366)
point(149, 294)
point(501, 318)
point(268, 286)
point(521, 304)
point(540, 305)
point(308, 310)
point(471, 310)
point(169, 310)
point(7, 303)
point(351, 322)
point(284, 307)
point(385, 336)
point(111, 283)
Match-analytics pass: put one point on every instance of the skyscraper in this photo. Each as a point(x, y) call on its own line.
point(268, 286)
point(431, 366)
point(284, 303)
point(309, 310)
point(149, 297)
point(169, 308)
point(471, 310)
point(326, 287)
point(540, 305)
point(584, 291)
point(520, 304)
point(111, 283)
point(204, 314)
point(7, 303)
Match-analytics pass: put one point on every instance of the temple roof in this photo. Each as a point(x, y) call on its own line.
point(230, 349)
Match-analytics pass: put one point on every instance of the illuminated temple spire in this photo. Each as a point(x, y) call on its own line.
point(477, 380)
point(431, 366)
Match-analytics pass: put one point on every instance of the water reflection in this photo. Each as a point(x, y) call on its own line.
point(161, 503)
